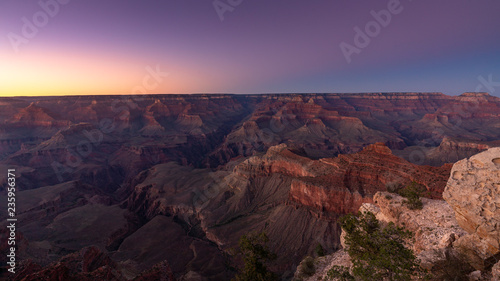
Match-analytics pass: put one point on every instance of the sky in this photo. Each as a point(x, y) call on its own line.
point(80, 47)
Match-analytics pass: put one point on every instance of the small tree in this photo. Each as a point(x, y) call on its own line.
point(377, 253)
point(412, 193)
point(255, 254)
point(319, 250)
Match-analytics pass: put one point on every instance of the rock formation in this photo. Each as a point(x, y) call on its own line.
point(456, 238)
point(473, 191)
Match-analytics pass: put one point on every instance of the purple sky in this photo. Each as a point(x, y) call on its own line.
point(261, 46)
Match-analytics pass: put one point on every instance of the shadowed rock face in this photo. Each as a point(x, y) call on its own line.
point(213, 167)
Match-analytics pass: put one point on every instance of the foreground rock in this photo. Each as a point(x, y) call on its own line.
point(434, 226)
point(456, 239)
point(473, 191)
point(435, 229)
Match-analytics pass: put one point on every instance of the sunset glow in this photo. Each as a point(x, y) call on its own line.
point(90, 47)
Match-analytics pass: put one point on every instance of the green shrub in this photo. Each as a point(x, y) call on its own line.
point(339, 272)
point(377, 253)
point(319, 250)
point(412, 193)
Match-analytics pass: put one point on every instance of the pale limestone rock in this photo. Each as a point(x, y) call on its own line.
point(434, 225)
point(430, 259)
point(368, 207)
point(473, 248)
point(342, 240)
point(447, 240)
point(473, 191)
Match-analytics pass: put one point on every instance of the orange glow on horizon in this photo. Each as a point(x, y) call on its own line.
point(50, 73)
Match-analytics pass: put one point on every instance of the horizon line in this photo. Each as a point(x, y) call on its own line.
point(240, 94)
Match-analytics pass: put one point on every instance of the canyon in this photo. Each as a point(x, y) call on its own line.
point(133, 187)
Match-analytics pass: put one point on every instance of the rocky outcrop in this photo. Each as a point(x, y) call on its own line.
point(456, 238)
point(434, 225)
point(451, 150)
point(342, 184)
point(435, 230)
point(473, 191)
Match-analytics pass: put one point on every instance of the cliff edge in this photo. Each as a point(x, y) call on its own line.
point(456, 238)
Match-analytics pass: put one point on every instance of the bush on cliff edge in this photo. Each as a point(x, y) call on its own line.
point(377, 253)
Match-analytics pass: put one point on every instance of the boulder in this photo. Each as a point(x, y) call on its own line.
point(434, 225)
point(444, 263)
point(473, 191)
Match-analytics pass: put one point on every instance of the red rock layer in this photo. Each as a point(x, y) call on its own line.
point(342, 184)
